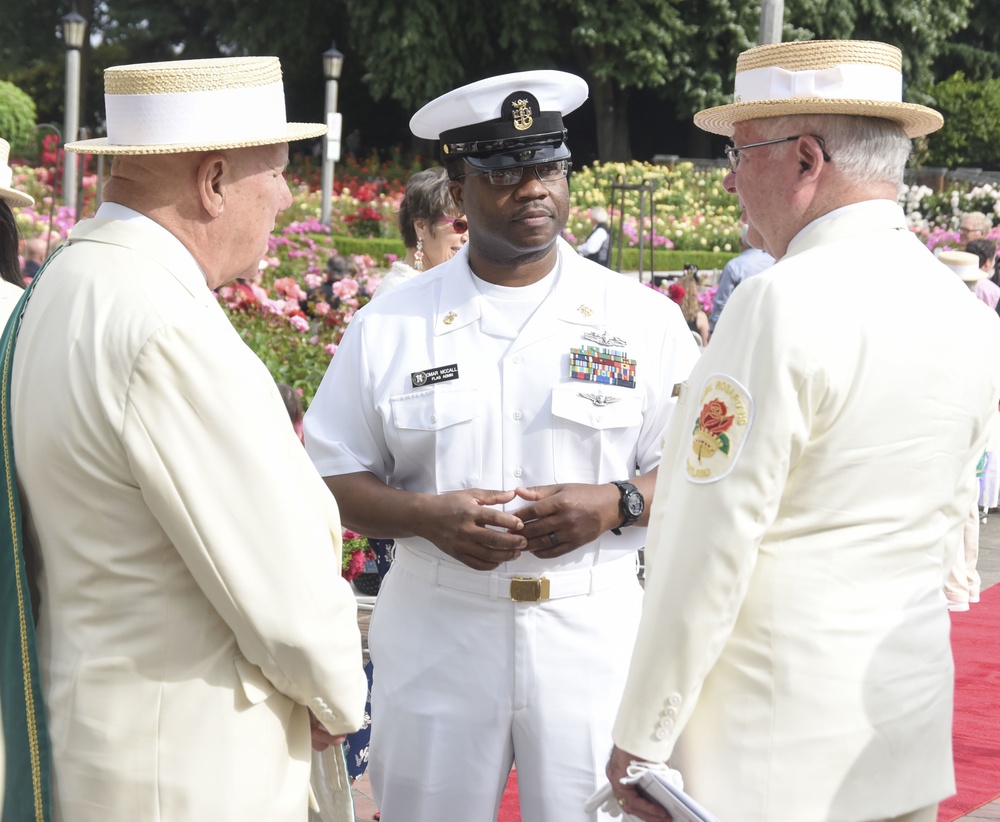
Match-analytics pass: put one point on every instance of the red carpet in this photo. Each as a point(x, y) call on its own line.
point(975, 642)
point(509, 810)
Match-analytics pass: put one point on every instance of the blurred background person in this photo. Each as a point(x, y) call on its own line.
point(34, 257)
point(11, 282)
point(973, 226)
point(597, 246)
point(963, 585)
point(987, 289)
point(687, 299)
point(751, 261)
point(433, 228)
point(293, 405)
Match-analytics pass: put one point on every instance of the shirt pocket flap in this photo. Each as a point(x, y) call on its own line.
point(256, 686)
point(433, 410)
point(569, 404)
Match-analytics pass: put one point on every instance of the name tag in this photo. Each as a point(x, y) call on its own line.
point(442, 373)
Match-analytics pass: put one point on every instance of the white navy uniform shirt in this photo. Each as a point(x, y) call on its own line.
point(432, 390)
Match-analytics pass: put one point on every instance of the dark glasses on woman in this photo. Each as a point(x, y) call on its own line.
point(458, 224)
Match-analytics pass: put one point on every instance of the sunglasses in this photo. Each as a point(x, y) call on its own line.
point(458, 224)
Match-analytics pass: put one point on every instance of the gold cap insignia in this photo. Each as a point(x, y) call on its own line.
point(522, 115)
point(586, 310)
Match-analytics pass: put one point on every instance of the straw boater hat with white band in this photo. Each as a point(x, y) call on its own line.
point(858, 77)
point(964, 264)
point(195, 105)
point(11, 196)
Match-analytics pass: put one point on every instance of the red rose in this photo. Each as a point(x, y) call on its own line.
point(713, 417)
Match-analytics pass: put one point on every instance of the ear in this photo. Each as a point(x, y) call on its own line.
point(211, 180)
point(420, 227)
point(810, 158)
point(457, 191)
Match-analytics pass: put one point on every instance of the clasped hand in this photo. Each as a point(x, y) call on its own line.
point(556, 520)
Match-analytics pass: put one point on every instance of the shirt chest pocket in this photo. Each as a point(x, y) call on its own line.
point(594, 442)
point(440, 432)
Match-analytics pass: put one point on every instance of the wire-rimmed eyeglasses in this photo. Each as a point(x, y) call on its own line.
point(733, 152)
point(546, 172)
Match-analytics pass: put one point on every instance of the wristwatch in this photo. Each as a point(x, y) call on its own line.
point(631, 504)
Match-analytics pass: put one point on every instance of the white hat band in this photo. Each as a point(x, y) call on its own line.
point(196, 117)
point(6, 176)
point(847, 81)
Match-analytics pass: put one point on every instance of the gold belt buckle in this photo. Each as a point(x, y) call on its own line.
point(529, 589)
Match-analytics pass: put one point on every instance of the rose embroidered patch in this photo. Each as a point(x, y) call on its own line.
point(720, 429)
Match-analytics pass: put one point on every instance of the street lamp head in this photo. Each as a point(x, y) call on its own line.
point(333, 62)
point(74, 26)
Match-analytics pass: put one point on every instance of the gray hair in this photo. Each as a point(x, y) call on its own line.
point(977, 221)
point(864, 149)
point(427, 197)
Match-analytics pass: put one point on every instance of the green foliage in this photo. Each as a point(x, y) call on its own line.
point(975, 50)
point(672, 260)
point(405, 52)
point(971, 133)
point(289, 355)
point(378, 249)
point(17, 117)
point(920, 28)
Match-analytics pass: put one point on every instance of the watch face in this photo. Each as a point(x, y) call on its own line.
point(634, 504)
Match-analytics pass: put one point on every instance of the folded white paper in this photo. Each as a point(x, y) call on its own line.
point(658, 784)
point(655, 787)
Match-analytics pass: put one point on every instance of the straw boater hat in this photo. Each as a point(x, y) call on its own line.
point(12, 197)
point(500, 122)
point(195, 105)
point(964, 264)
point(856, 77)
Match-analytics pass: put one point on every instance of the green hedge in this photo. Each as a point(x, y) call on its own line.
point(669, 260)
point(375, 248)
point(663, 259)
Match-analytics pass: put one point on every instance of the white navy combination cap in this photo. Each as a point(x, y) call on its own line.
point(505, 121)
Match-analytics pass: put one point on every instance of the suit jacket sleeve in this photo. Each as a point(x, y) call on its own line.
point(220, 467)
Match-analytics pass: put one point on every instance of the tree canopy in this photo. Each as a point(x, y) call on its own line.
point(668, 58)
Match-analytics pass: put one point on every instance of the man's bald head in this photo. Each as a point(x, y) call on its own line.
point(220, 204)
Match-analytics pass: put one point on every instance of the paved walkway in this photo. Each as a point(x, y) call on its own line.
point(989, 569)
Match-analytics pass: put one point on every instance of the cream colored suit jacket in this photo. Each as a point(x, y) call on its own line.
point(793, 659)
point(192, 603)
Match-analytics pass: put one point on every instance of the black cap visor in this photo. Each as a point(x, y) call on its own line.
point(524, 156)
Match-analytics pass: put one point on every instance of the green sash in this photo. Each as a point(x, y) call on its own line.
point(27, 781)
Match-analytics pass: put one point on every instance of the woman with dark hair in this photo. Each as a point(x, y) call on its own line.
point(11, 281)
point(432, 227)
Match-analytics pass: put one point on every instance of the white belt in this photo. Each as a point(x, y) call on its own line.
point(551, 585)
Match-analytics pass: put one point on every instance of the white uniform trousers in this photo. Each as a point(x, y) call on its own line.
point(466, 684)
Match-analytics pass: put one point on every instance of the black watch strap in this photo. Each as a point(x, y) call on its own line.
point(631, 505)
